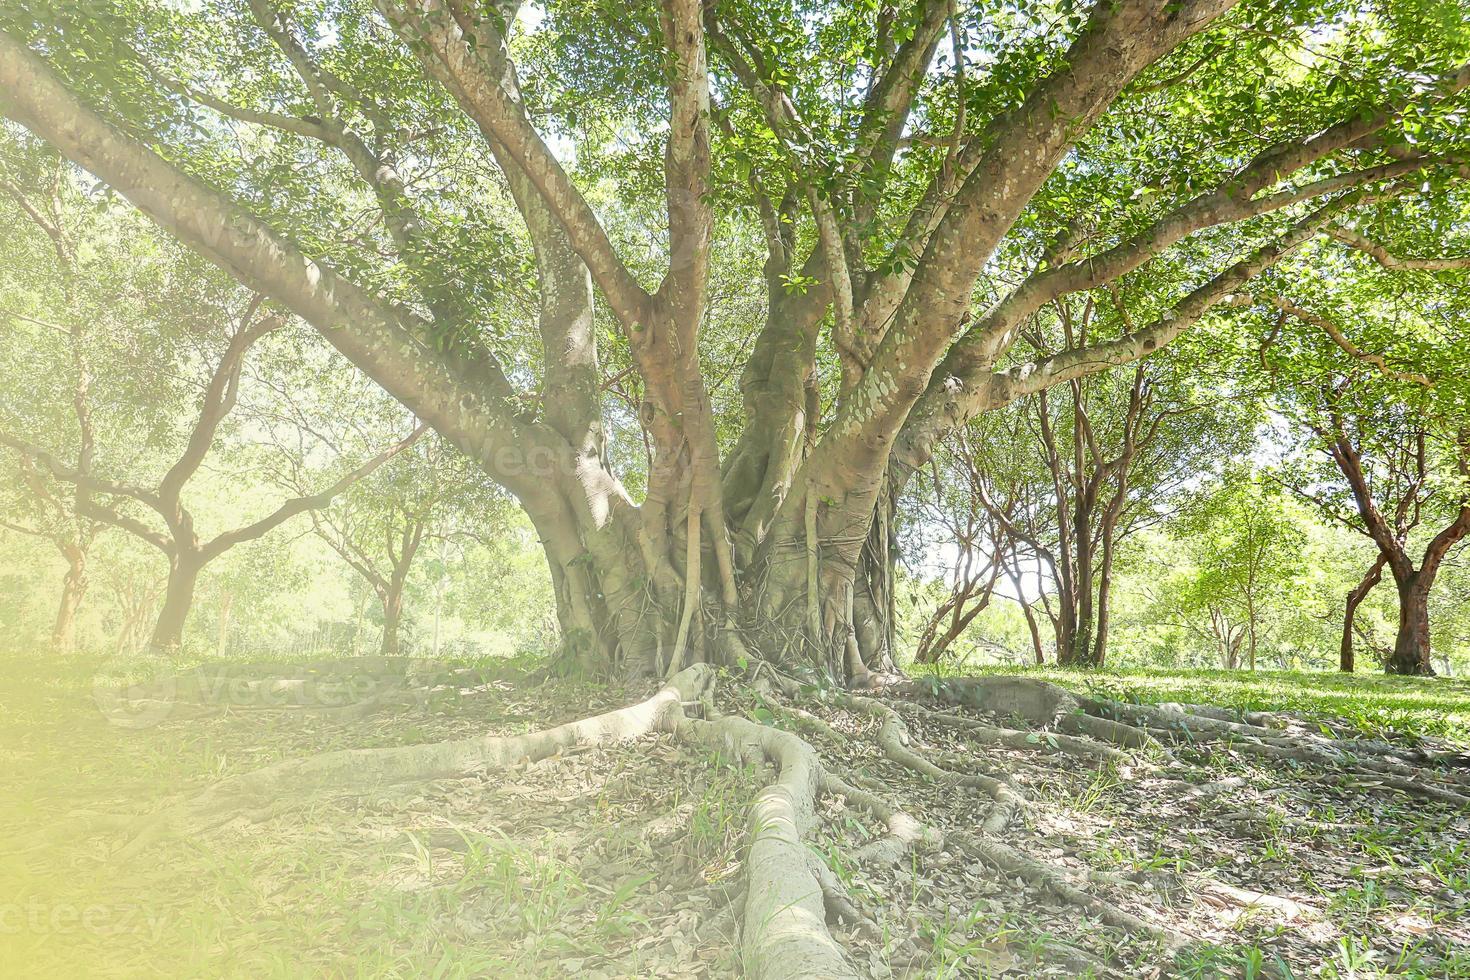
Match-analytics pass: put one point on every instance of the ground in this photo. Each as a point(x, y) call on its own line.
point(628, 859)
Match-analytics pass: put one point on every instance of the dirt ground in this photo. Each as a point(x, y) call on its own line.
point(626, 860)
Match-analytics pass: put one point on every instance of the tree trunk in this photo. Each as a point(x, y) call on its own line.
point(1250, 626)
point(438, 606)
point(1035, 633)
point(178, 599)
point(1411, 649)
point(1104, 593)
point(1354, 600)
point(1078, 652)
point(392, 617)
point(360, 614)
point(73, 589)
point(1073, 648)
point(222, 639)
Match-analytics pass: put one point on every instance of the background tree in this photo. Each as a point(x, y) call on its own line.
point(382, 526)
point(1375, 377)
point(1087, 465)
point(166, 320)
point(65, 289)
point(955, 514)
point(1246, 549)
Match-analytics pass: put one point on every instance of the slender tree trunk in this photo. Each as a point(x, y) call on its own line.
point(935, 642)
point(178, 599)
point(392, 617)
point(360, 612)
point(1013, 572)
point(1104, 598)
point(1079, 647)
point(1250, 626)
point(1411, 648)
point(1354, 600)
point(438, 604)
point(73, 589)
point(222, 637)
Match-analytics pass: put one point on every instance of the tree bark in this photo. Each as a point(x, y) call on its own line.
point(1411, 648)
point(392, 617)
point(73, 590)
point(1345, 662)
point(178, 599)
point(222, 636)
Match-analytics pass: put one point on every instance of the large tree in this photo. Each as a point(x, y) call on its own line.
point(925, 178)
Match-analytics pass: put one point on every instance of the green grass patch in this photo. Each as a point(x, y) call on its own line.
point(1376, 705)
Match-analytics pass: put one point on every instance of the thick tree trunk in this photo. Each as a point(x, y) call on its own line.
point(1074, 650)
point(1074, 629)
point(1345, 661)
point(1411, 649)
point(873, 596)
point(178, 599)
point(73, 590)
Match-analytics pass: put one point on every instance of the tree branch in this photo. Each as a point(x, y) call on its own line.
point(1339, 338)
point(469, 400)
point(297, 505)
point(1394, 262)
point(220, 395)
point(436, 30)
point(1012, 383)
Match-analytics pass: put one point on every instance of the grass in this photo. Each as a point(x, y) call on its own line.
point(343, 887)
point(1374, 704)
point(359, 888)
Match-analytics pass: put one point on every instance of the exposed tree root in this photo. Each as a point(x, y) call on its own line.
point(1260, 719)
point(363, 771)
point(905, 834)
point(1171, 722)
point(780, 912)
point(1430, 776)
point(1109, 730)
point(787, 893)
point(893, 738)
point(908, 835)
point(979, 731)
point(1043, 875)
point(784, 920)
point(1040, 704)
